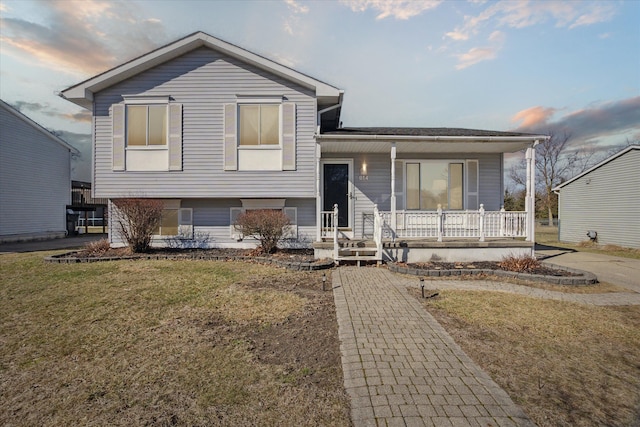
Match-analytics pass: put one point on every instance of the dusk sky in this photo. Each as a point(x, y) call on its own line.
point(532, 66)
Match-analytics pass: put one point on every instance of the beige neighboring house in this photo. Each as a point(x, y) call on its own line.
point(35, 179)
point(603, 203)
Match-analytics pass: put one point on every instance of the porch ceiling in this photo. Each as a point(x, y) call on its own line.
point(377, 144)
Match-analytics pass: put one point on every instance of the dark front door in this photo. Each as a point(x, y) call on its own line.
point(336, 190)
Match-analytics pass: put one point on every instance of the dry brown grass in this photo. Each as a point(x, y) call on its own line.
point(566, 364)
point(165, 343)
point(520, 264)
point(549, 236)
point(97, 247)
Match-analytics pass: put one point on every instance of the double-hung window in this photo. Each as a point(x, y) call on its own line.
point(147, 134)
point(259, 125)
point(146, 125)
point(260, 134)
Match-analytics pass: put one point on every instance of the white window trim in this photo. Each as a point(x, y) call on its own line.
point(260, 101)
point(145, 99)
point(420, 161)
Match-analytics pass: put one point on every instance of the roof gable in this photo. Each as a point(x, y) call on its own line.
point(82, 93)
point(599, 165)
point(37, 127)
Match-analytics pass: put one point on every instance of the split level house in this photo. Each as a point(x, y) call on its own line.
point(215, 130)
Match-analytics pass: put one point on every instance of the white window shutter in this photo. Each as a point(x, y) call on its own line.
point(185, 223)
point(118, 136)
point(472, 184)
point(175, 137)
point(234, 213)
point(230, 137)
point(288, 136)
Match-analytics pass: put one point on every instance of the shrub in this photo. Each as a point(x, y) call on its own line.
point(97, 248)
point(266, 225)
point(520, 264)
point(137, 219)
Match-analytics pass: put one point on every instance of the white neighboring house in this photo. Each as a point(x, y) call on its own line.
point(35, 179)
point(604, 199)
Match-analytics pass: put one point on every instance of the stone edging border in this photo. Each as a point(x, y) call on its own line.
point(67, 258)
point(584, 278)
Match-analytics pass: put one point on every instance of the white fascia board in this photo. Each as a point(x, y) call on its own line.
point(82, 93)
point(602, 163)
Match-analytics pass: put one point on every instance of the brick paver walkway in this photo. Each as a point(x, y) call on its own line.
point(401, 368)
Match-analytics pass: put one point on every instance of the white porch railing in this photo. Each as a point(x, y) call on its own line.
point(441, 224)
point(377, 231)
point(329, 228)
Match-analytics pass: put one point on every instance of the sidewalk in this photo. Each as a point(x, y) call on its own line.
point(401, 368)
point(74, 242)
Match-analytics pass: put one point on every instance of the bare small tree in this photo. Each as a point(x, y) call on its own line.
point(555, 163)
point(266, 225)
point(137, 219)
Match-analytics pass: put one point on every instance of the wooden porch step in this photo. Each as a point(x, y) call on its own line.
point(357, 252)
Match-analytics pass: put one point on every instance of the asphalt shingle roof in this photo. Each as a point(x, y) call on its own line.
point(420, 132)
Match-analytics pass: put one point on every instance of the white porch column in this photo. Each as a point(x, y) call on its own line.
point(318, 198)
point(392, 200)
point(530, 157)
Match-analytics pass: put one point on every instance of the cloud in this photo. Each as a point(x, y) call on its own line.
point(475, 55)
point(292, 21)
point(399, 9)
point(593, 126)
point(534, 116)
point(84, 116)
point(82, 37)
point(296, 7)
point(479, 54)
point(525, 13)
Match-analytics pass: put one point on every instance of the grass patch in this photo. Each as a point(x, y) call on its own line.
point(166, 343)
point(546, 235)
point(564, 363)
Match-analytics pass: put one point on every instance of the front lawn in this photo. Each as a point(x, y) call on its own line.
point(166, 343)
point(566, 364)
point(548, 236)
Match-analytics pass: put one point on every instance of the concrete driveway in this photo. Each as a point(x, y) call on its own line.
point(619, 271)
point(73, 242)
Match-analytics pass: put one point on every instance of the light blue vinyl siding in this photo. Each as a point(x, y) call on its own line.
point(211, 217)
point(203, 81)
point(375, 188)
point(35, 180)
point(606, 200)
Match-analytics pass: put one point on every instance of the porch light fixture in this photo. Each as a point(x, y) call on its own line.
point(363, 169)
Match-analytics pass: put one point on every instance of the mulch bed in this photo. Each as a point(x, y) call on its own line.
point(293, 259)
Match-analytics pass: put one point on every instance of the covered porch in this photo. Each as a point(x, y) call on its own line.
point(420, 194)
